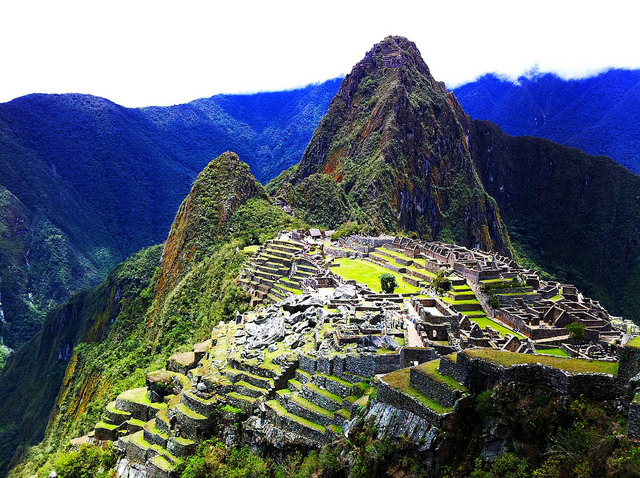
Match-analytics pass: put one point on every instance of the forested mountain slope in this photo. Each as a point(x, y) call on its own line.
point(598, 115)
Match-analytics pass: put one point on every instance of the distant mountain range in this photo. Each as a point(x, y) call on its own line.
point(85, 183)
point(600, 115)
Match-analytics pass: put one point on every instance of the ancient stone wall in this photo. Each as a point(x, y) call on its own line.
point(441, 393)
point(482, 374)
point(388, 363)
point(451, 368)
point(397, 399)
point(633, 430)
point(417, 354)
point(629, 362)
point(364, 365)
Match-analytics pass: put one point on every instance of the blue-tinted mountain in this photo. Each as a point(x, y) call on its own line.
point(598, 115)
point(86, 182)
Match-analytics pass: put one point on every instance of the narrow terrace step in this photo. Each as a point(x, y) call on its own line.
point(160, 467)
point(279, 292)
point(302, 376)
point(293, 423)
point(162, 421)
point(200, 405)
point(353, 378)
point(270, 268)
point(333, 384)
point(294, 385)
point(181, 447)
point(137, 403)
point(240, 375)
point(105, 431)
point(302, 407)
point(277, 253)
point(245, 388)
point(309, 269)
point(291, 250)
point(323, 398)
point(182, 362)
point(284, 291)
point(292, 284)
point(444, 389)
point(114, 416)
point(154, 435)
point(138, 450)
point(303, 274)
point(243, 402)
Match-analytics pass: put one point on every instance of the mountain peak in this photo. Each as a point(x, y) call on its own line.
point(394, 52)
point(395, 142)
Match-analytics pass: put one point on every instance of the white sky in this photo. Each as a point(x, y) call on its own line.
point(157, 52)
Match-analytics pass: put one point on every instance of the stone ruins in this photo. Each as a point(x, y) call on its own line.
point(320, 346)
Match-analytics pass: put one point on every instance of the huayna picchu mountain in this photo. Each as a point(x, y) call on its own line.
point(394, 142)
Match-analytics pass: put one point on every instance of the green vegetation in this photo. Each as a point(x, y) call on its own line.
point(634, 343)
point(577, 330)
point(572, 365)
point(388, 282)
point(549, 436)
point(555, 351)
point(484, 321)
point(368, 274)
point(431, 369)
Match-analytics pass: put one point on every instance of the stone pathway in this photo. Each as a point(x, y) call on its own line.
point(412, 333)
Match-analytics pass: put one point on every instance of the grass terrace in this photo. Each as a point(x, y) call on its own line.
point(570, 365)
point(399, 380)
point(431, 369)
point(369, 274)
point(634, 343)
point(484, 321)
point(556, 351)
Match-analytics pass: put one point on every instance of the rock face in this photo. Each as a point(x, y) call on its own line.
point(223, 186)
point(394, 146)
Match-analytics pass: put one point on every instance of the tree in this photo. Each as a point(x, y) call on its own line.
point(388, 282)
point(441, 283)
point(577, 330)
point(494, 302)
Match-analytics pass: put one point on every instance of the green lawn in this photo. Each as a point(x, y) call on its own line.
point(484, 321)
point(369, 274)
point(572, 365)
point(558, 351)
point(635, 343)
point(400, 380)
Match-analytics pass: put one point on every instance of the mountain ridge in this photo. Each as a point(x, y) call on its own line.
point(596, 114)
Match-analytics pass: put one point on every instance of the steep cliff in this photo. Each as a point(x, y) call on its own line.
point(394, 142)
